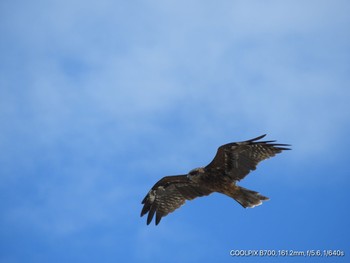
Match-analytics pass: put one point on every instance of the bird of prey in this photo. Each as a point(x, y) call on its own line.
point(232, 162)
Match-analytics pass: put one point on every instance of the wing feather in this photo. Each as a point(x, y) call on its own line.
point(239, 158)
point(168, 194)
point(234, 160)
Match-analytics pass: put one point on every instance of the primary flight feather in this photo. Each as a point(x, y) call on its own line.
point(232, 162)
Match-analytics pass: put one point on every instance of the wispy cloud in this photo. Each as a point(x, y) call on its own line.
point(99, 99)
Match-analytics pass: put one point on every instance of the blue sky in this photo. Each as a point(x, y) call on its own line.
point(100, 99)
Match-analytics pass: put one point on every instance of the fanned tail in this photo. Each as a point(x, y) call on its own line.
point(247, 198)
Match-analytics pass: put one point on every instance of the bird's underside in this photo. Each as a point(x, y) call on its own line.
point(232, 162)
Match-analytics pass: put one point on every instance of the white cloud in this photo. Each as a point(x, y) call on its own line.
point(230, 74)
point(119, 89)
point(98, 100)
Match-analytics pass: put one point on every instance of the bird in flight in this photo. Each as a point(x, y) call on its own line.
point(232, 162)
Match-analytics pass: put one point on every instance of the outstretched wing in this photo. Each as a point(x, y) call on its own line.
point(239, 158)
point(168, 194)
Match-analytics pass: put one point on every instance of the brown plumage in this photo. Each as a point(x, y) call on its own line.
point(232, 162)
